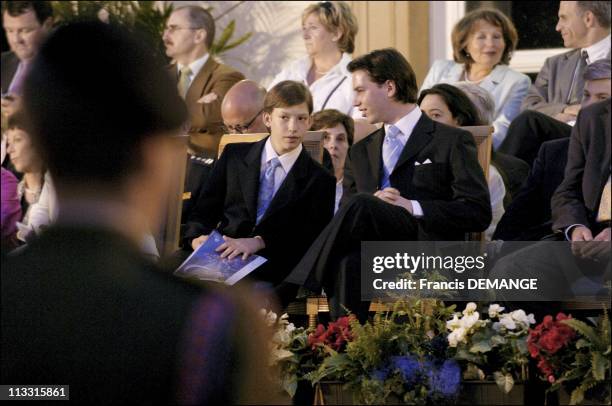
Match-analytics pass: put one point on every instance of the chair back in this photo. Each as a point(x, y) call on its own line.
point(483, 136)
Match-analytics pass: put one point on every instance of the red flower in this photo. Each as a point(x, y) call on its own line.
point(546, 341)
point(336, 335)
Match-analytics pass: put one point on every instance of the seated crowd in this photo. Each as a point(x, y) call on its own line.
point(86, 168)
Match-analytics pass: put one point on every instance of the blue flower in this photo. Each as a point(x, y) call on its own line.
point(445, 380)
point(410, 368)
point(380, 374)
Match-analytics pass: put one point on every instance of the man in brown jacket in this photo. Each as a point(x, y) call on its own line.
point(201, 81)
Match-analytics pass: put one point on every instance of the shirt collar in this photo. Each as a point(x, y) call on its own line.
point(598, 50)
point(407, 123)
point(340, 68)
point(287, 160)
point(195, 66)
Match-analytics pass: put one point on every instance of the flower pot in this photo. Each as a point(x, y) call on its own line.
point(488, 393)
point(332, 393)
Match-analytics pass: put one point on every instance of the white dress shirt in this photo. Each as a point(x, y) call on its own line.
point(287, 161)
point(342, 97)
point(599, 50)
point(406, 124)
point(195, 66)
point(339, 191)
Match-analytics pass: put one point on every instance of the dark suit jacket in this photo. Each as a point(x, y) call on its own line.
point(452, 190)
point(548, 94)
point(9, 63)
point(205, 127)
point(81, 307)
point(528, 218)
point(301, 208)
point(576, 201)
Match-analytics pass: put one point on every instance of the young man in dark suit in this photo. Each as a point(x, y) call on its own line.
point(268, 198)
point(413, 179)
point(81, 306)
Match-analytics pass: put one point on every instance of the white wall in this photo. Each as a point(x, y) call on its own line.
point(276, 39)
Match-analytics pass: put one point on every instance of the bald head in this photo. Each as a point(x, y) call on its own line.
point(242, 106)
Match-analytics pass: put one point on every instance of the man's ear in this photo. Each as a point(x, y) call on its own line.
point(267, 119)
point(390, 88)
point(588, 18)
point(201, 35)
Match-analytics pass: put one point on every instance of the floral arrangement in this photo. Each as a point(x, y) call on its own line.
point(494, 347)
point(400, 356)
point(575, 355)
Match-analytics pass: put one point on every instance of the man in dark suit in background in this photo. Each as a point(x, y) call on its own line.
point(558, 89)
point(530, 129)
point(81, 306)
point(270, 198)
point(413, 179)
point(528, 217)
point(201, 81)
point(580, 213)
point(26, 24)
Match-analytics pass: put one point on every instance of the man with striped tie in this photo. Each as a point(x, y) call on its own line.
point(268, 197)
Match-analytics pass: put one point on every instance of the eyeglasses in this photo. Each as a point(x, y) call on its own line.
point(240, 129)
point(173, 28)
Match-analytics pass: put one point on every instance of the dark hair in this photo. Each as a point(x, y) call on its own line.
point(93, 94)
point(330, 118)
point(388, 64)
point(600, 9)
point(17, 120)
point(463, 29)
point(599, 69)
point(201, 18)
point(460, 106)
point(287, 93)
point(42, 9)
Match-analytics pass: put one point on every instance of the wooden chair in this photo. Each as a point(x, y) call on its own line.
point(234, 138)
point(483, 135)
point(167, 237)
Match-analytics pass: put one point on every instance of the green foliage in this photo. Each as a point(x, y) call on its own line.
point(148, 17)
point(588, 376)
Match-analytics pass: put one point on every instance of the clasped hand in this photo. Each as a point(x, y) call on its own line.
point(392, 196)
point(585, 246)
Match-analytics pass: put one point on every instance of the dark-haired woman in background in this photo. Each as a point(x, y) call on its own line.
point(449, 105)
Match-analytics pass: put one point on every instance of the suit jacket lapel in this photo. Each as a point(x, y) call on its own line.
point(249, 177)
point(494, 78)
point(420, 137)
point(605, 161)
point(288, 191)
point(374, 149)
point(567, 72)
point(198, 84)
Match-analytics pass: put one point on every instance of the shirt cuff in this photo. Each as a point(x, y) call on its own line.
point(417, 210)
point(568, 231)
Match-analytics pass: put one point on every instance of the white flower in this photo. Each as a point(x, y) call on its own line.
point(290, 327)
point(521, 317)
point(469, 320)
point(507, 321)
point(495, 310)
point(454, 323)
point(456, 337)
point(470, 308)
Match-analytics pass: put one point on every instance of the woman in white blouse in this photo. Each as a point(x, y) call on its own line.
point(328, 30)
point(483, 42)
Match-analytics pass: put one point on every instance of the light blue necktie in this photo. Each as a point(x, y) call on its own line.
point(392, 149)
point(266, 187)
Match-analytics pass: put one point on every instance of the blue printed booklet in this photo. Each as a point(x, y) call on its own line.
point(206, 264)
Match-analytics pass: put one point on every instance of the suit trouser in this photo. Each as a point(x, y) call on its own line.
point(528, 131)
point(333, 260)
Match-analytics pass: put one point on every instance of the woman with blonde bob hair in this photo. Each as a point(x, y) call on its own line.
point(328, 30)
point(483, 43)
